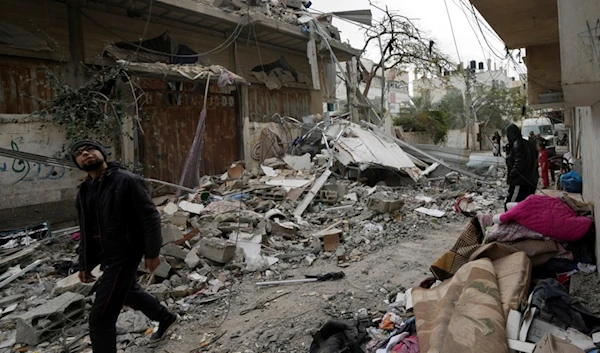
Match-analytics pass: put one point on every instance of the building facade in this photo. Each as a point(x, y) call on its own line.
point(562, 43)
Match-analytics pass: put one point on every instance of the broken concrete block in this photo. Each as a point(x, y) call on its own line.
point(57, 311)
point(328, 196)
point(74, 285)
point(163, 269)
point(171, 208)
point(192, 260)
point(158, 290)
point(180, 292)
point(174, 251)
point(179, 219)
point(285, 229)
point(216, 249)
point(196, 277)
point(132, 321)
point(170, 233)
point(384, 205)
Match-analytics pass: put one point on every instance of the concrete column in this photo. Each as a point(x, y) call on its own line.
point(591, 164)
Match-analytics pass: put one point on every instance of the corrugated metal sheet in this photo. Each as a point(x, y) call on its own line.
point(263, 103)
point(170, 124)
point(23, 85)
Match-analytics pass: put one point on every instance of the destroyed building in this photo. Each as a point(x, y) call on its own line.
point(263, 58)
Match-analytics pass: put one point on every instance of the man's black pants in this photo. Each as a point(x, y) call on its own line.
point(118, 287)
point(518, 193)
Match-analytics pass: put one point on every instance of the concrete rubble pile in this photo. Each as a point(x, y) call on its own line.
point(336, 206)
point(524, 279)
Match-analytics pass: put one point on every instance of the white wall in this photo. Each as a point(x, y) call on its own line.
point(588, 125)
point(440, 86)
point(32, 192)
point(579, 26)
point(24, 183)
point(396, 91)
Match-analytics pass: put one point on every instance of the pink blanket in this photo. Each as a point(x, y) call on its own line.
point(550, 217)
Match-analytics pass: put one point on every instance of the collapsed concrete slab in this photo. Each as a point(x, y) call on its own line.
point(38, 323)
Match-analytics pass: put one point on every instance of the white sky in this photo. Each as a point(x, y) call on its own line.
point(431, 17)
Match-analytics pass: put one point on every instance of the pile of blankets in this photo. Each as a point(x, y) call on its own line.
point(501, 267)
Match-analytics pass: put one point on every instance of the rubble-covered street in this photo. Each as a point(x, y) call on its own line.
point(287, 176)
point(287, 219)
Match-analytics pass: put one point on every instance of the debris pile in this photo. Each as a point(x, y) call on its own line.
point(506, 285)
point(359, 194)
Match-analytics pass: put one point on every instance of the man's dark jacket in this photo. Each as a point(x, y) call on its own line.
point(522, 159)
point(128, 221)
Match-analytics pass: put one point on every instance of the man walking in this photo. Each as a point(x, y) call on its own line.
point(119, 225)
point(522, 166)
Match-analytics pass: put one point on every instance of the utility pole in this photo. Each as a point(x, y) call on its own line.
point(351, 87)
point(470, 74)
point(382, 65)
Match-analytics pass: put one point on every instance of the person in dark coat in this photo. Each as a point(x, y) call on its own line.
point(119, 225)
point(522, 164)
point(496, 139)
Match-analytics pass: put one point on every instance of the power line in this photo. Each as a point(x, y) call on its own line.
point(452, 29)
point(146, 26)
point(228, 42)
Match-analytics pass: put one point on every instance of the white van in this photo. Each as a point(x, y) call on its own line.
point(542, 126)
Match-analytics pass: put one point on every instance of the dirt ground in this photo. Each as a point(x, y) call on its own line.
point(287, 323)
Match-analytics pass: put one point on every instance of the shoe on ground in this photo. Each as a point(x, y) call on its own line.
point(164, 328)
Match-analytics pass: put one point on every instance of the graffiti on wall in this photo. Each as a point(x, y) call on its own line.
point(591, 40)
point(25, 171)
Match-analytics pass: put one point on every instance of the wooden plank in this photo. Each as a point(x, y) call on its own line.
point(312, 193)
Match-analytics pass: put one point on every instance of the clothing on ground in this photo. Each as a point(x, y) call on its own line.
point(549, 216)
point(557, 306)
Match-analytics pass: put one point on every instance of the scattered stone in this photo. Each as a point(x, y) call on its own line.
point(174, 251)
point(132, 321)
point(382, 204)
point(179, 219)
point(192, 260)
point(176, 281)
point(158, 290)
point(10, 299)
point(58, 311)
point(73, 284)
point(196, 277)
point(170, 233)
point(217, 250)
point(163, 269)
point(309, 259)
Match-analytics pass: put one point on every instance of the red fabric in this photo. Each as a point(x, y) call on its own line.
point(543, 158)
point(550, 217)
point(408, 345)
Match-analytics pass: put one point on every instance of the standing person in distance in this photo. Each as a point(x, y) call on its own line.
point(522, 166)
point(496, 139)
point(119, 225)
point(544, 163)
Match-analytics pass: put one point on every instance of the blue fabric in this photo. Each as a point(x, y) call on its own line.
point(571, 182)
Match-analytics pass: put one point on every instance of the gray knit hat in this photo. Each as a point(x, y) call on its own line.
point(77, 145)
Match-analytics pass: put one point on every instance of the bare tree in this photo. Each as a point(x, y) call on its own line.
point(403, 45)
